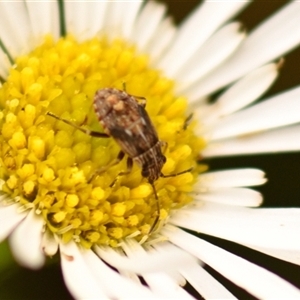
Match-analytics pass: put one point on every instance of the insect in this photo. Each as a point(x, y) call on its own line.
point(125, 119)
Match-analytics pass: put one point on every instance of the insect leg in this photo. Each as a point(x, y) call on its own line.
point(164, 145)
point(124, 86)
point(176, 174)
point(143, 100)
point(129, 168)
point(187, 121)
point(84, 130)
point(103, 169)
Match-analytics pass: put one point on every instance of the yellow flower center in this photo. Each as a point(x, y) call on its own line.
point(46, 164)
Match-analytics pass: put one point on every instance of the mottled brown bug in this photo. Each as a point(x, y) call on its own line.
point(125, 119)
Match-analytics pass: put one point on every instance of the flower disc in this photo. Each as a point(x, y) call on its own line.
point(46, 164)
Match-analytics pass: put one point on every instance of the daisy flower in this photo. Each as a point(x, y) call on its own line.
point(124, 236)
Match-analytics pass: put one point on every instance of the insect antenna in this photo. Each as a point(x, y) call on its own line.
point(157, 199)
point(86, 131)
point(157, 208)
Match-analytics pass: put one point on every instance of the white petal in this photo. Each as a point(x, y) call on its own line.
point(174, 274)
point(16, 36)
point(144, 262)
point(120, 18)
point(269, 228)
point(9, 219)
point(130, 275)
point(49, 243)
point(96, 14)
point(25, 242)
point(292, 256)
point(205, 284)
point(80, 281)
point(158, 275)
point(98, 17)
point(165, 287)
point(197, 28)
point(254, 279)
point(279, 140)
point(276, 111)
point(232, 196)
point(164, 282)
point(210, 55)
point(144, 31)
point(230, 178)
point(76, 16)
point(158, 45)
point(108, 279)
point(44, 19)
point(244, 92)
point(278, 31)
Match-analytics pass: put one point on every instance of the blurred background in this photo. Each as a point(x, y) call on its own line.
point(281, 190)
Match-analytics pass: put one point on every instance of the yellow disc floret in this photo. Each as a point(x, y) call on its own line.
point(50, 166)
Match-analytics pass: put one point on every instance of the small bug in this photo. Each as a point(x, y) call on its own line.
point(125, 119)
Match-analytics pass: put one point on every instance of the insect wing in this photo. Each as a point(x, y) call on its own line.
point(133, 130)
